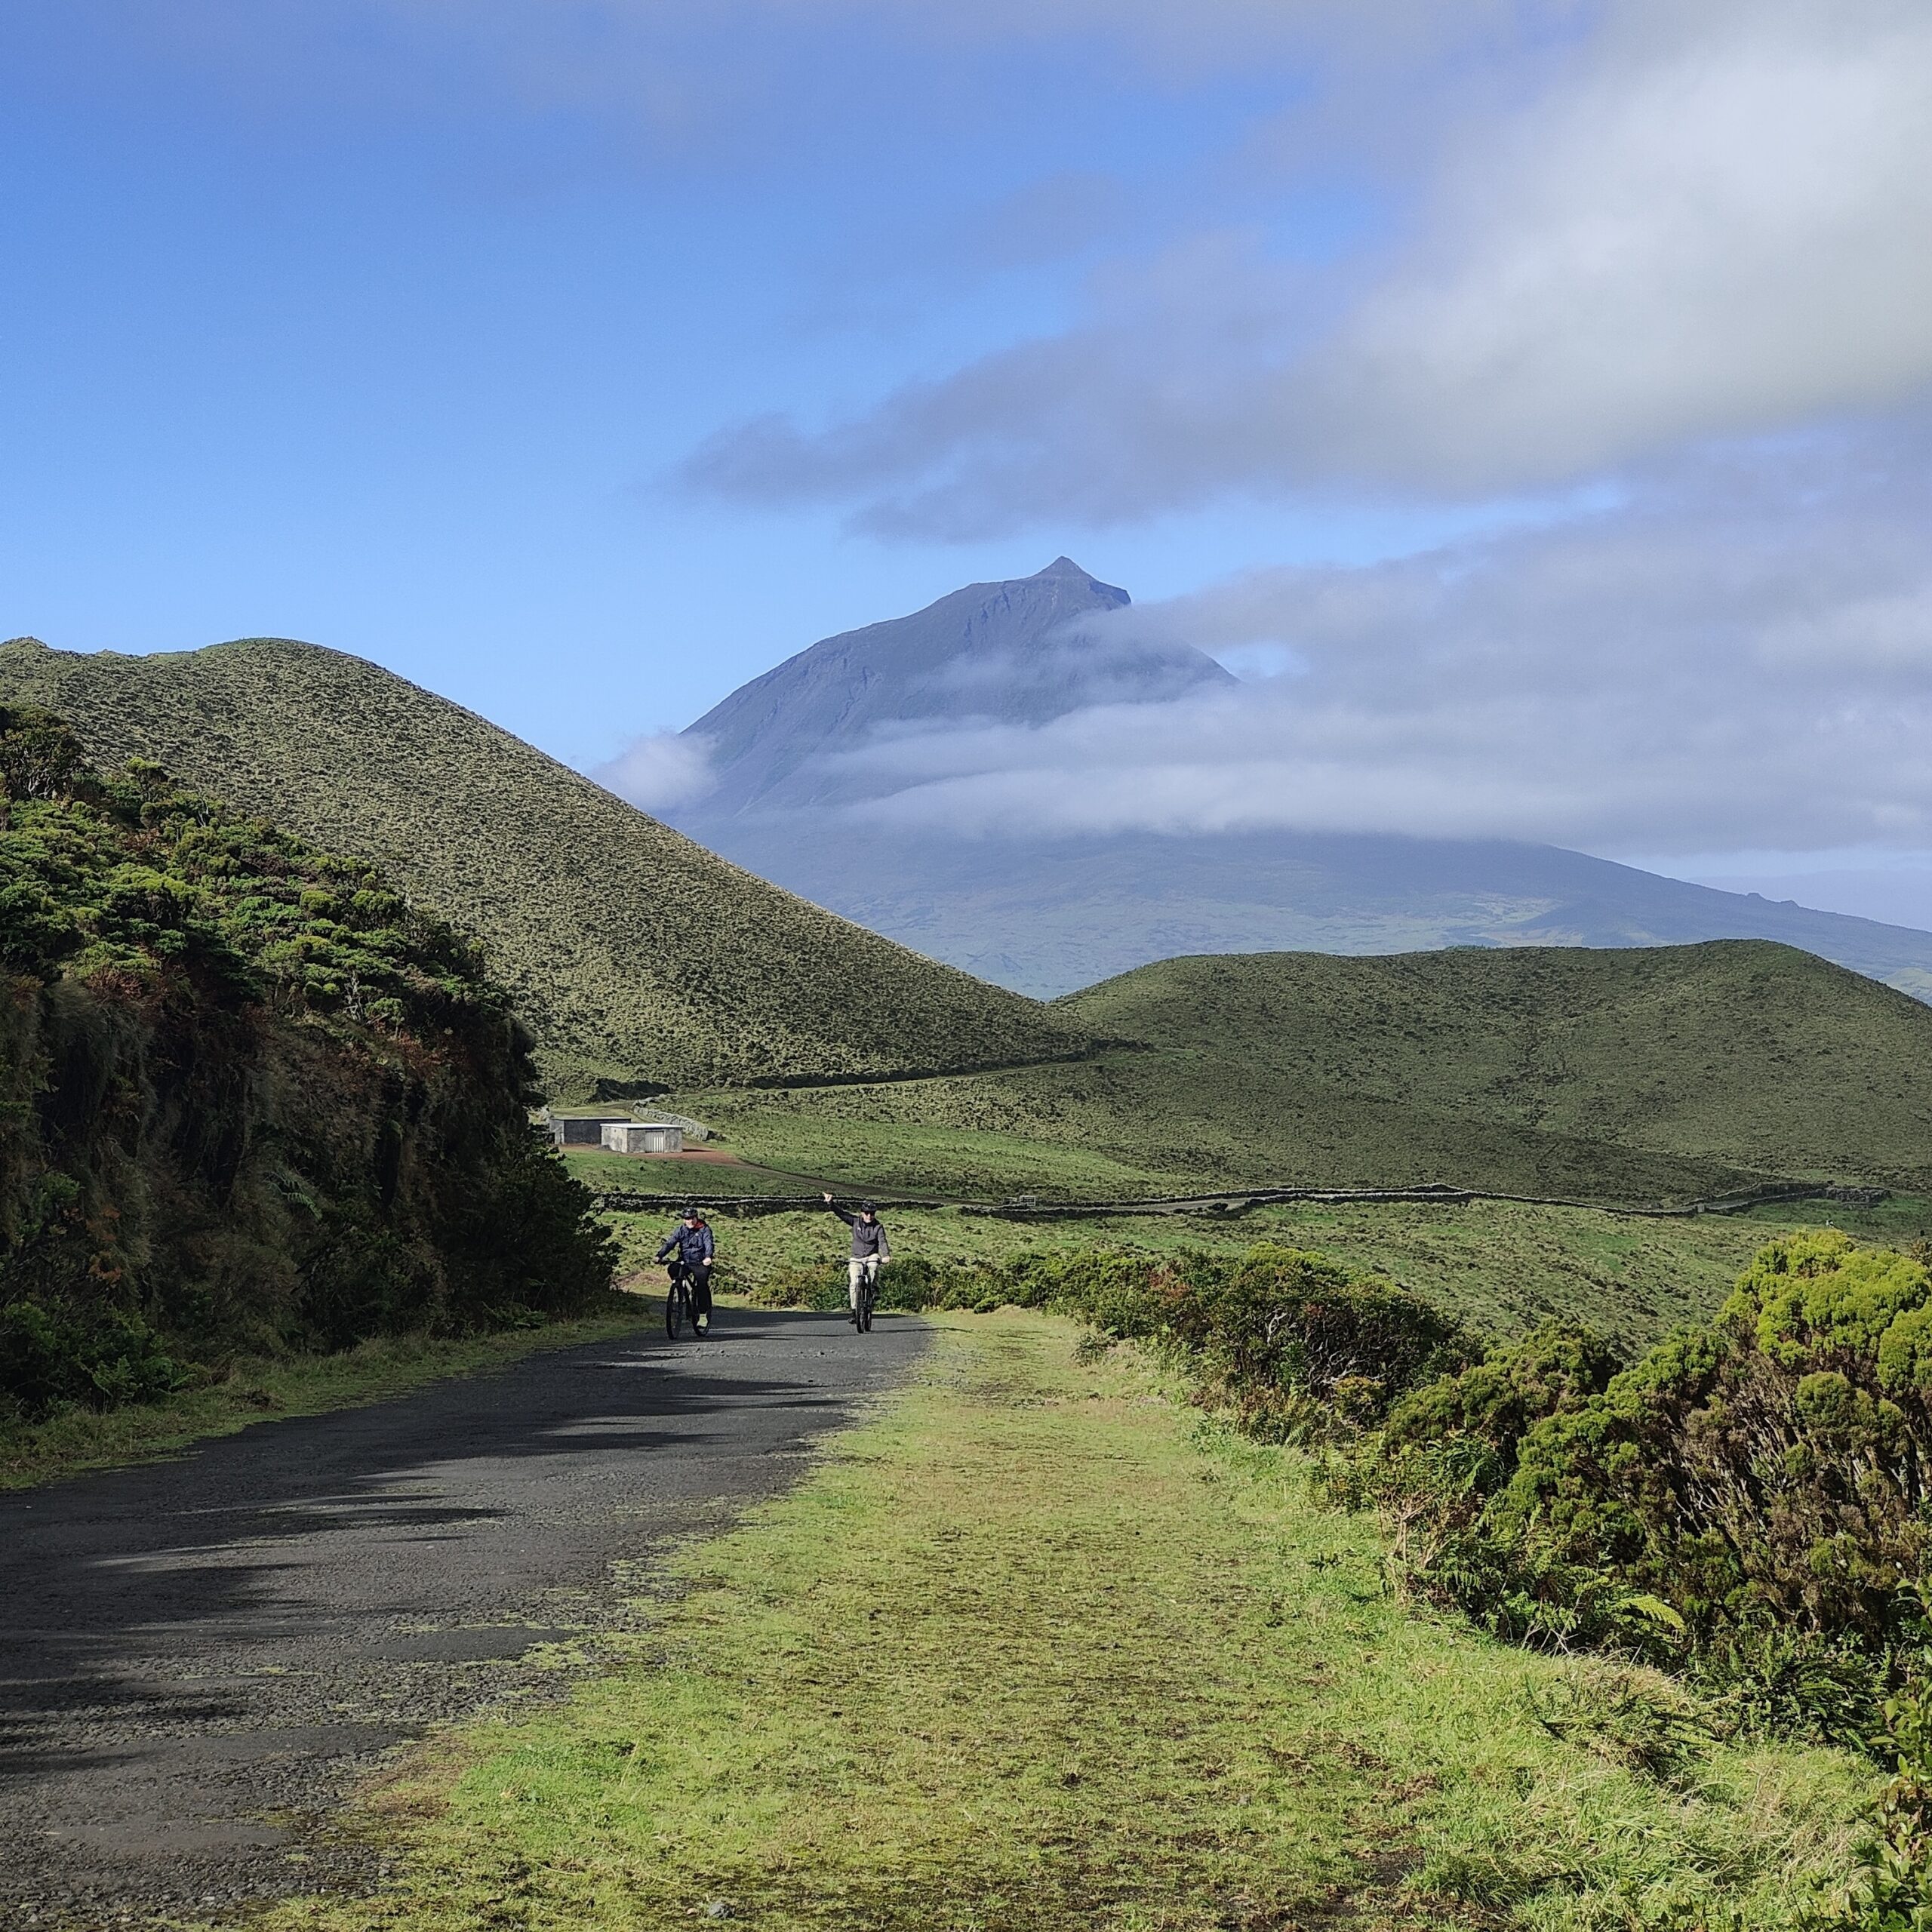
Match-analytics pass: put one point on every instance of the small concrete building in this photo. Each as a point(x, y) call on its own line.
point(582, 1130)
point(643, 1137)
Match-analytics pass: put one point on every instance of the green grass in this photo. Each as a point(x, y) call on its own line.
point(634, 954)
point(639, 1173)
point(1736, 1053)
point(1042, 1648)
point(254, 1389)
point(827, 1131)
point(1496, 1265)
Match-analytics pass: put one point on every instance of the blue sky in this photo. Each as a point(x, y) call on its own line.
point(580, 358)
point(346, 335)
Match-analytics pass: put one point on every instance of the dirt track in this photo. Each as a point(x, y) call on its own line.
point(198, 1658)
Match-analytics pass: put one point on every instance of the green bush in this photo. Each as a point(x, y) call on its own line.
point(249, 1098)
point(1797, 1684)
point(1891, 1889)
point(1296, 1345)
point(48, 1362)
point(1768, 1474)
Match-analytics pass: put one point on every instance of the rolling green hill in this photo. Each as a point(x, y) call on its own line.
point(1669, 1073)
point(635, 955)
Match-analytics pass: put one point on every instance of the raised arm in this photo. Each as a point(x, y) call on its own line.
point(847, 1219)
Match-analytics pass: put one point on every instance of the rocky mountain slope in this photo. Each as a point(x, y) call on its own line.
point(1017, 653)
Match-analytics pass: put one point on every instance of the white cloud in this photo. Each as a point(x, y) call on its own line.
point(1712, 668)
point(1715, 224)
point(1717, 234)
point(658, 772)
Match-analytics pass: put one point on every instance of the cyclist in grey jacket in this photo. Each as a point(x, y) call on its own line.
point(870, 1248)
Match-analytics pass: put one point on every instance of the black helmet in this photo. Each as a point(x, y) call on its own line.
point(868, 1207)
point(690, 1213)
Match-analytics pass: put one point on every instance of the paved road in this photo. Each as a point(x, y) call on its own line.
point(198, 1658)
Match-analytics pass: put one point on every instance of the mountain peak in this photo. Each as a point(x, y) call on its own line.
point(1065, 569)
point(1018, 652)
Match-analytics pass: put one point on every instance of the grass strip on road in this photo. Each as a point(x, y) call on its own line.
point(1042, 1648)
point(256, 1388)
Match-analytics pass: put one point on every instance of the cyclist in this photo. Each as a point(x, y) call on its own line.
point(870, 1249)
point(696, 1249)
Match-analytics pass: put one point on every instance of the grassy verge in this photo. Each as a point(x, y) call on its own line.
point(1499, 1267)
point(1040, 1649)
point(255, 1389)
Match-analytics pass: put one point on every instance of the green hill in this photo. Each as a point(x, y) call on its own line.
point(635, 955)
point(1668, 1073)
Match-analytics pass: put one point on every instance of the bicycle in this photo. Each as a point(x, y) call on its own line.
point(679, 1306)
point(868, 1296)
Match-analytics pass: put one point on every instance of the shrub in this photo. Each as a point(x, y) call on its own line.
point(1796, 1683)
point(1753, 1493)
point(1891, 1891)
point(1297, 1345)
point(48, 1362)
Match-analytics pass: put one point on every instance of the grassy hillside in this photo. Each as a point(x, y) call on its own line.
point(1651, 1074)
point(1740, 1051)
point(633, 954)
point(1627, 1076)
point(1497, 1267)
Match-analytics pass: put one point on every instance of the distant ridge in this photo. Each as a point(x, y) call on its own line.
point(1657, 1076)
point(635, 956)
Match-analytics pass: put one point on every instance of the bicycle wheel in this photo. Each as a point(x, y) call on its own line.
point(866, 1292)
point(671, 1296)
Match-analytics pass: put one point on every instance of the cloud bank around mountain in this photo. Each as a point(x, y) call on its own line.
point(1715, 664)
point(1666, 262)
point(658, 772)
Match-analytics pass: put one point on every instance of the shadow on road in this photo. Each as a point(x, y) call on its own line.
point(191, 1652)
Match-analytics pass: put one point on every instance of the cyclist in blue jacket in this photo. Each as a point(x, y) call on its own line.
point(696, 1250)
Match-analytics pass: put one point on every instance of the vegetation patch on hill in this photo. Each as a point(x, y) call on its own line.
point(1746, 1504)
point(250, 1103)
point(636, 958)
point(1766, 1473)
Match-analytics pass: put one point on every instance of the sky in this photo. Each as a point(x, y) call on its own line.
point(1531, 398)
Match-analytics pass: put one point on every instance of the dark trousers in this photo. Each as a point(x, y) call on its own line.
point(699, 1278)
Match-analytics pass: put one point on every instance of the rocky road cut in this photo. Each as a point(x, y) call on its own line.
point(199, 1658)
